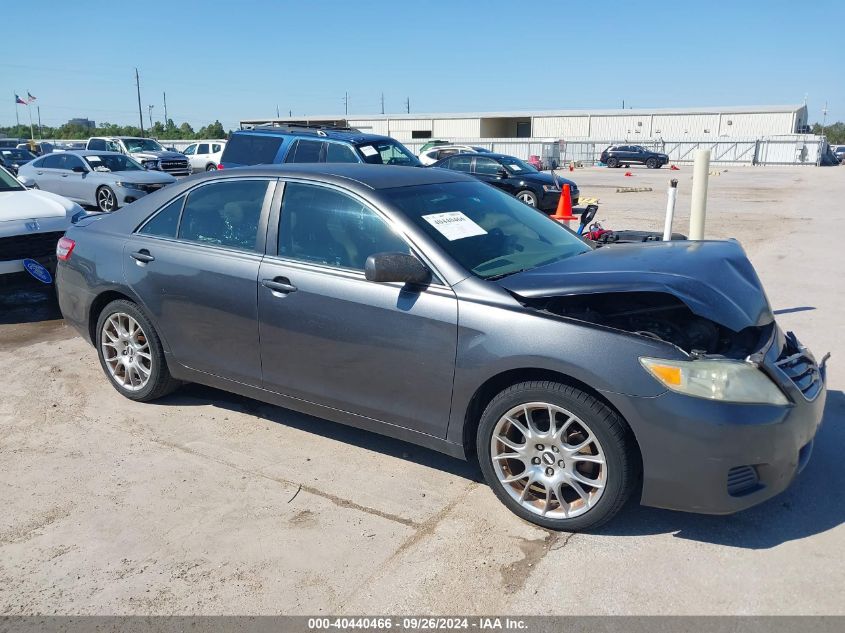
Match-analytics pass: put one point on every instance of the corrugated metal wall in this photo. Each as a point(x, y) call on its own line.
point(561, 127)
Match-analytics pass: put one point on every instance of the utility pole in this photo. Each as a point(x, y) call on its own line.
point(382, 103)
point(623, 104)
point(346, 103)
point(150, 113)
point(408, 105)
point(824, 117)
point(140, 112)
point(290, 113)
point(278, 116)
point(164, 94)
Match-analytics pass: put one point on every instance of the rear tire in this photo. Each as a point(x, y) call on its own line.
point(612, 162)
point(211, 167)
point(131, 353)
point(588, 443)
point(651, 163)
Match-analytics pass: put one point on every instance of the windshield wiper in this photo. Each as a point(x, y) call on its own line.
point(507, 274)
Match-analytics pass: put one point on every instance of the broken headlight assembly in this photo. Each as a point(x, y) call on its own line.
point(724, 380)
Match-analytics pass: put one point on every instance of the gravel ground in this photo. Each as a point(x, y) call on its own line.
point(208, 503)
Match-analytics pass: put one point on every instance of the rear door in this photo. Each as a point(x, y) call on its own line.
point(48, 173)
point(329, 336)
point(194, 266)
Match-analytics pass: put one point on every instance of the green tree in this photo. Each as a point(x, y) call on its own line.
point(835, 132)
point(186, 131)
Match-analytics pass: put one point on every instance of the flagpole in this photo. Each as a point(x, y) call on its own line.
point(31, 129)
point(17, 117)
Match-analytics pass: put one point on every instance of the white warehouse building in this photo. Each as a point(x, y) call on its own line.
point(733, 133)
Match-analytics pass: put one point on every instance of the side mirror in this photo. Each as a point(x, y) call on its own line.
point(79, 169)
point(502, 172)
point(401, 267)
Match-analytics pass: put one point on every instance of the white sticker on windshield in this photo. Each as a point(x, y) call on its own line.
point(93, 159)
point(368, 150)
point(454, 225)
point(515, 167)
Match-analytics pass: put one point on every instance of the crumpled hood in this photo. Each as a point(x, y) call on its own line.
point(714, 279)
point(165, 155)
point(34, 204)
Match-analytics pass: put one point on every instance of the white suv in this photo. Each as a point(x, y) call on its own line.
point(434, 154)
point(204, 155)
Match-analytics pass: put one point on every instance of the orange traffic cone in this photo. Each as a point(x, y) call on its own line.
point(571, 166)
point(628, 173)
point(564, 206)
point(675, 168)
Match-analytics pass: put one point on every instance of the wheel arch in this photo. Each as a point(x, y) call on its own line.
point(97, 305)
point(501, 381)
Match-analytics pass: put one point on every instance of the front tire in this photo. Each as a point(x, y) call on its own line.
point(528, 197)
point(106, 200)
point(556, 456)
point(131, 353)
point(612, 162)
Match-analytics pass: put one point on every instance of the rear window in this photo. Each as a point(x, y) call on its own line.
point(251, 149)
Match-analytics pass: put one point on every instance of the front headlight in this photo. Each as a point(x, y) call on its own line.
point(126, 185)
point(726, 380)
point(551, 189)
point(151, 164)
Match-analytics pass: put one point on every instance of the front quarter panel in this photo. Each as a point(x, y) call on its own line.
point(496, 337)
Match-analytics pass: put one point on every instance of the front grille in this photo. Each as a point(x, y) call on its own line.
point(799, 367)
point(742, 480)
point(32, 245)
point(150, 188)
point(174, 165)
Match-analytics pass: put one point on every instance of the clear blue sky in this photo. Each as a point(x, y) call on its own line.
point(240, 59)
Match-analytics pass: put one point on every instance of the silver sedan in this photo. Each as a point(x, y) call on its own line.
point(107, 180)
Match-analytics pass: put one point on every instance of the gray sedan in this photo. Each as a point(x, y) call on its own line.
point(106, 180)
point(429, 306)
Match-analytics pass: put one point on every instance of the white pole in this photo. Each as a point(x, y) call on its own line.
point(670, 209)
point(701, 172)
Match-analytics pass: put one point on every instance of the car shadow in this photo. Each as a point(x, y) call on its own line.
point(193, 394)
point(795, 309)
point(814, 503)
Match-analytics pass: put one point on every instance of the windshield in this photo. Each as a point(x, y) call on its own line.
point(516, 166)
point(489, 232)
point(8, 182)
point(387, 153)
point(142, 145)
point(112, 162)
point(16, 154)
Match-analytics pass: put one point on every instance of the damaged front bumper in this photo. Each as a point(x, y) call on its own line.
point(718, 457)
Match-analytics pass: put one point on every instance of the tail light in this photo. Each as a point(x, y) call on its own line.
point(220, 166)
point(64, 248)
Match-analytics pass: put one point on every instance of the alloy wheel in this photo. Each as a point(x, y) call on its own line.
point(548, 460)
point(105, 199)
point(126, 351)
point(527, 198)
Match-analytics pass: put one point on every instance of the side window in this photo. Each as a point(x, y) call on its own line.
point(486, 166)
point(165, 222)
point(323, 226)
point(340, 153)
point(216, 148)
point(97, 144)
point(443, 153)
point(460, 163)
point(224, 214)
point(53, 161)
point(72, 161)
point(202, 148)
point(304, 151)
point(189, 151)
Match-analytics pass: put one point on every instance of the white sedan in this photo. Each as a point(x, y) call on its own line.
point(439, 152)
point(31, 222)
point(205, 155)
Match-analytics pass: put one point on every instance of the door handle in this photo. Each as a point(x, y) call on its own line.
point(64, 175)
point(143, 256)
point(279, 284)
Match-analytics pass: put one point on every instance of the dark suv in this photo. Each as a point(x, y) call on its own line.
point(305, 144)
point(618, 155)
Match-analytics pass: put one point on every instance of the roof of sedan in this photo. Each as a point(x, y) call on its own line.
point(89, 152)
point(372, 176)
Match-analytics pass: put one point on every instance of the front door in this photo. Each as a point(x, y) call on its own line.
point(329, 336)
point(490, 171)
point(194, 265)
